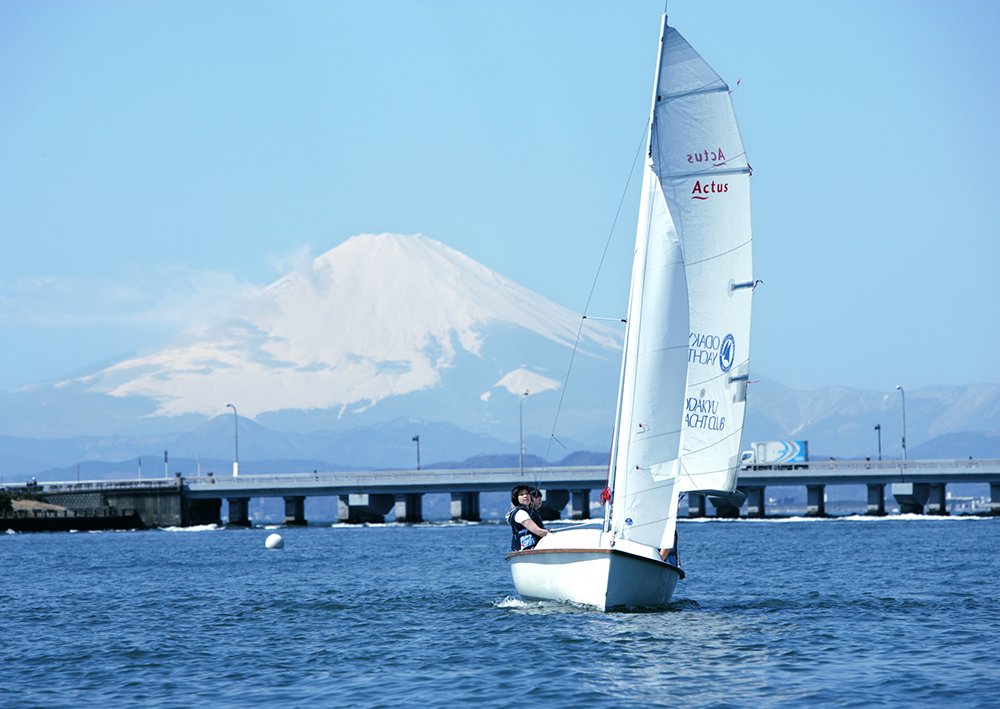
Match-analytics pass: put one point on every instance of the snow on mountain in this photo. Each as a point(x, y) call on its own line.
point(375, 319)
point(523, 380)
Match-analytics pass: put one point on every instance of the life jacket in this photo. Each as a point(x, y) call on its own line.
point(522, 538)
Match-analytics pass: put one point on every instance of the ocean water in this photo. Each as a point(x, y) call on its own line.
point(891, 612)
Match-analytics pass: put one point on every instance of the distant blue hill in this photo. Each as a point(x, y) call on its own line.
point(955, 446)
point(154, 468)
point(442, 445)
point(582, 458)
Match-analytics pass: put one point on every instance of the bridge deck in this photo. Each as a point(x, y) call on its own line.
point(568, 478)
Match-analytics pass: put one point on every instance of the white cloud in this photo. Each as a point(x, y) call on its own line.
point(175, 294)
point(298, 258)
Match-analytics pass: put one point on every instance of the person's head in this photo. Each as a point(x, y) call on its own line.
point(536, 498)
point(519, 492)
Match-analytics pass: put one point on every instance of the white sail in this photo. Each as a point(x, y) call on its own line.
point(698, 156)
point(686, 353)
point(653, 380)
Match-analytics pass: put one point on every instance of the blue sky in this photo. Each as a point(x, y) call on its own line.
point(161, 160)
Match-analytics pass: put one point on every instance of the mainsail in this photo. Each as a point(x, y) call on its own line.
point(684, 372)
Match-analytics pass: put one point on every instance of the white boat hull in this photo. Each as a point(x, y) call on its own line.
point(576, 567)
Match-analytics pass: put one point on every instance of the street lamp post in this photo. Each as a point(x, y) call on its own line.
point(417, 439)
point(903, 394)
point(878, 427)
point(236, 440)
point(520, 432)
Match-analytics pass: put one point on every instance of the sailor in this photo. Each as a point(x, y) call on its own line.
point(533, 509)
point(669, 556)
point(526, 531)
point(536, 506)
point(536, 503)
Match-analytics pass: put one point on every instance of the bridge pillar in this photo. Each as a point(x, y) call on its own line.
point(239, 511)
point(295, 511)
point(876, 500)
point(553, 504)
point(361, 509)
point(410, 507)
point(911, 497)
point(198, 512)
point(580, 508)
point(815, 500)
point(465, 505)
point(937, 499)
point(755, 501)
point(725, 508)
point(995, 498)
point(696, 505)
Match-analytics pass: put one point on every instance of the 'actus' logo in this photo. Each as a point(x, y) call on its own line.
point(702, 191)
point(727, 353)
point(713, 156)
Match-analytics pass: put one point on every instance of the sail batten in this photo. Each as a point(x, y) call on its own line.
point(709, 171)
point(663, 98)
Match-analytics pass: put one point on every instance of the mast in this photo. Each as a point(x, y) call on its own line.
point(636, 273)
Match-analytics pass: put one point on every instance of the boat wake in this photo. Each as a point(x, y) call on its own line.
point(543, 607)
point(509, 602)
point(548, 607)
point(196, 528)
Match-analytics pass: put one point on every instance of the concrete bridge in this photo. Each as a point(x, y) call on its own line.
point(367, 496)
point(913, 483)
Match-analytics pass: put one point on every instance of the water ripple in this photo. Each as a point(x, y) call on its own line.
point(786, 615)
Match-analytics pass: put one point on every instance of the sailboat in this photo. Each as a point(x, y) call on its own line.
point(682, 393)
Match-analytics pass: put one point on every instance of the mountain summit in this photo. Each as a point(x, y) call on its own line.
point(378, 327)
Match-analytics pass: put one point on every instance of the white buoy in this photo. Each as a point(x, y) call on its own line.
point(274, 542)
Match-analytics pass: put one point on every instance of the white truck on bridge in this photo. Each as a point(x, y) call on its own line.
point(768, 453)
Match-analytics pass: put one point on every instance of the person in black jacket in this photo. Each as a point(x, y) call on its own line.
point(526, 531)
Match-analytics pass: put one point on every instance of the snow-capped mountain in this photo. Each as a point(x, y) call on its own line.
point(395, 328)
point(379, 327)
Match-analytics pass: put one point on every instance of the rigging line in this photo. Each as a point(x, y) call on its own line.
point(593, 287)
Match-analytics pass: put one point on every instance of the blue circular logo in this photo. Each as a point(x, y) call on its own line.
point(727, 353)
point(628, 521)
